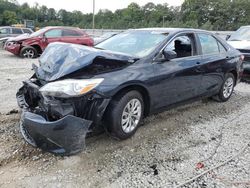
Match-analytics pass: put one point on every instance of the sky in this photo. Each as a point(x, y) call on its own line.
point(86, 5)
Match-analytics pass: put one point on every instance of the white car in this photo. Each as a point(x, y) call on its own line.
point(241, 41)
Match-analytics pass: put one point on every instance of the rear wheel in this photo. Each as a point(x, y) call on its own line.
point(124, 115)
point(28, 52)
point(226, 89)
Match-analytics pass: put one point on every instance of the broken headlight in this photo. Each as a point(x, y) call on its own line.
point(70, 88)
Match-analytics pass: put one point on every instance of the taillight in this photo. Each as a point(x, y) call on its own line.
point(242, 57)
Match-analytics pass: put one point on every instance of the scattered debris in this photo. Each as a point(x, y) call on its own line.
point(200, 165)
point(217, 166)
point(154, 167)
point(14, 111)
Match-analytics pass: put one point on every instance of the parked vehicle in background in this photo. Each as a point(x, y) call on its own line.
point(77, 90)
point(33, 45)
point(104, 37)
point(13, 31)
point(241, 41)
point(9, 32)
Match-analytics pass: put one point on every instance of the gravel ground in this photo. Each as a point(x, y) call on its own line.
point(169, 148)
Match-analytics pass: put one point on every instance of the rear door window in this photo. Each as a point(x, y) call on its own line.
point(17, 31)
point(27, 31)
point(209, 44)
point(70, 33)
point(54, 33)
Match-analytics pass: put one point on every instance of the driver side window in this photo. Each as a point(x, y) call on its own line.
point(183, 46)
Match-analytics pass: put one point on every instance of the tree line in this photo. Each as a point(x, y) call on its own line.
point(205, 14)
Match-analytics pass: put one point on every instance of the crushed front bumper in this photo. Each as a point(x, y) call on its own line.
point(13, 47)
point(65, 136)
point(58, 126)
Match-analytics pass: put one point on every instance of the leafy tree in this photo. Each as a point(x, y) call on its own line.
point(205, 14)
point(9, 17)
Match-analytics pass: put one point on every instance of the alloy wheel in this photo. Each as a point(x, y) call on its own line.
point(131, 115)
point(29, 53)
point(228, 87)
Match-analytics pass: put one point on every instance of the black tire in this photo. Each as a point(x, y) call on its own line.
point(28, 52)
point(221, 97)
point(113, 116)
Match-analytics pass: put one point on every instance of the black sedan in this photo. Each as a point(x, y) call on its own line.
point(79, 90)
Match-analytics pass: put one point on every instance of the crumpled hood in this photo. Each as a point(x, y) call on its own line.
point(240, 44)
point(19, 38)
point(60, 59)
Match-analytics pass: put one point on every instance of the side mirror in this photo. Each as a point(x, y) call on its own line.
point(227, 37)
point(168, 55)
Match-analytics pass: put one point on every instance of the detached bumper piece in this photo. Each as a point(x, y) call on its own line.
point(64, 137)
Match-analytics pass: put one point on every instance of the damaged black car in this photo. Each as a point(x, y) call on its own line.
point(78, 90)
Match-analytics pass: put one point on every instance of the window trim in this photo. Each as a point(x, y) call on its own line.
point(183, 34)
point(225, 49)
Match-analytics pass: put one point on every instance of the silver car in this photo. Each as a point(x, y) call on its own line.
point(8, 32)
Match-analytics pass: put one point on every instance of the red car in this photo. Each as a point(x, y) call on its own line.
point(30, 46)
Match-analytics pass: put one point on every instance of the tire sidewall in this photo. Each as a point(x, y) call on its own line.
point(115, 128)
point(221, 95)
point(28, 48)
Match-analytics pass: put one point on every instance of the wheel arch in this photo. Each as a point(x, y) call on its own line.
point(234, 72)
point(141, 89)
point(38, 48)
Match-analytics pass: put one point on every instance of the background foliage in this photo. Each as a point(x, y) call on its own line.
point(206, 14)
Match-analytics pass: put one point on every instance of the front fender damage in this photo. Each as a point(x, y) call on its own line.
point(59, 126)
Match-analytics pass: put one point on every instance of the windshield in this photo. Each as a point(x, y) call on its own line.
point(135, 43)
point(241, 34)
point(38, 33)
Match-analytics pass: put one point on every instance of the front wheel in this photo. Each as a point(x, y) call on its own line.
point(124, 115)
point(28, 52)
point(227, 88)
